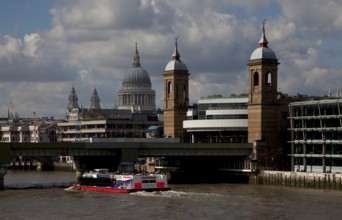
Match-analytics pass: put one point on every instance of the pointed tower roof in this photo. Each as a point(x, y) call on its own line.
point(263, 51)
point(95, 100)
point(175, 55)
point(175, 63)
point(263, 41)
point(73, 99)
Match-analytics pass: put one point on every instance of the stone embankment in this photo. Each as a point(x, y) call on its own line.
point(299, 179)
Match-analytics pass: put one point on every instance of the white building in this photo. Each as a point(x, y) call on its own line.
point(29, 131)
point(118, 124)
point(218, 119)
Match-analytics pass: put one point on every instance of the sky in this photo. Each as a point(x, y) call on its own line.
point(48, 46)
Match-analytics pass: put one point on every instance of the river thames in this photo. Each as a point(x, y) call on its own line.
point(45, 195)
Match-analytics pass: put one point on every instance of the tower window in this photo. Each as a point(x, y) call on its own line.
point(169, 88)
point(268, 82)
point(256, 79)
point(268, 79)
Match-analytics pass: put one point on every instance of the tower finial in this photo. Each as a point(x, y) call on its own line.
point(263, 41)
point(175, 55)
point(136, 60)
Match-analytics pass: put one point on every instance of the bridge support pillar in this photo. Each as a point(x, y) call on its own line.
point(3, 171)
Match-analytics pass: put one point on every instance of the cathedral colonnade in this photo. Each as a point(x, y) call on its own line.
point(136, 99)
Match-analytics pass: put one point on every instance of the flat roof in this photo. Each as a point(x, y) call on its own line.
point(315, 102)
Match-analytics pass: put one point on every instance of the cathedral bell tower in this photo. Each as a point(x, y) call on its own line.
point(263, 101)
point(176, 95)
point(95, 100)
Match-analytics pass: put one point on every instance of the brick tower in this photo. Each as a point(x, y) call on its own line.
point(176, 95)
point(263, 106)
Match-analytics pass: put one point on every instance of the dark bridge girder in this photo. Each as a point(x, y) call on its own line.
point(128, 151)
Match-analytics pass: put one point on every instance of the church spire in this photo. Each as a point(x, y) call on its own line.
point(136, 60)
point(263, 41)
point(95, 100)
point(73, 99)
point(175, 55)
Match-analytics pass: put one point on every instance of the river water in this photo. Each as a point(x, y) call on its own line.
point(45, 195)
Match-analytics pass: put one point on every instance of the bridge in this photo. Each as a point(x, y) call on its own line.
point(105, 154)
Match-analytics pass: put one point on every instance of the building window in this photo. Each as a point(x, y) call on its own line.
point(256, 79)
point(169, 88)
point(268, 81)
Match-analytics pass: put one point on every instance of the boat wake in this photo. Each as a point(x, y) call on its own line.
point(37, 185)
point(174, 194)
point(71, 189)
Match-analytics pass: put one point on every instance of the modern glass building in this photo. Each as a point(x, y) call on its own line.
point(316, 136)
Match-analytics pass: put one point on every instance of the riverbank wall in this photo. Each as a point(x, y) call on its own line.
point(28, 166)
point(298, 179)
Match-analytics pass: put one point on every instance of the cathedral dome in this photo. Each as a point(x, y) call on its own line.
point(137, 76)
point(136, 93)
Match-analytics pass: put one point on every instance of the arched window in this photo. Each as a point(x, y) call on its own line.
point(268, 79)
point(256, 79)
point(169, 88)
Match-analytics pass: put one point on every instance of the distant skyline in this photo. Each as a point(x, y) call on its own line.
point(46, 46)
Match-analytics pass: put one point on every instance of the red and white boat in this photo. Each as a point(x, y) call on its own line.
point(100, 180)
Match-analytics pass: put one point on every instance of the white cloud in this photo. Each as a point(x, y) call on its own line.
point(91, 44)
point(30, 44)
point(314, 15)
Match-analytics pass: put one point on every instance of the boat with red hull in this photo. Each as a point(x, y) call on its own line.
point(100, 180)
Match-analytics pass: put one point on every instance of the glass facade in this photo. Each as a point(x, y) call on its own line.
point(316, 136)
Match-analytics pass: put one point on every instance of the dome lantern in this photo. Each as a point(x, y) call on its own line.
point(136, 60)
